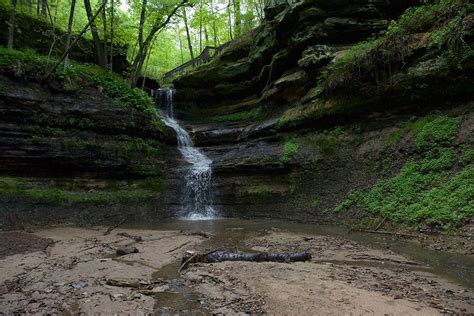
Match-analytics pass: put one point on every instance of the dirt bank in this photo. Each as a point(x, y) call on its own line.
point(72, 270)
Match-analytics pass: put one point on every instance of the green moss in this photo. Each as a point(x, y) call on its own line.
point(297, 115)
point(327, 140)
point(137, 156)
point(326, 145)
point(290, 150)
point(266, 159)
point(261, 191)
point(316, 203)
point(19, 188)
point(251, 115)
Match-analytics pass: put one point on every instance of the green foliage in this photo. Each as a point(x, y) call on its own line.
point(316, 203)
point(447, 205)
point(208, 24)
point(442, 129)
point(468, 157)
point(423, 18)
point(290, 150)
point(251, 115)
point(139, 156)
point(27, 64)
point(423, 191)
point(75, 76)
point(428, 130)
point(260, 190)
point(352, 198)
point(327, 140)
point(58, 195)
point(299, 114)
point(375, 61)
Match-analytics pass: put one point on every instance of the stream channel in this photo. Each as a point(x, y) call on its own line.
point(232, 234)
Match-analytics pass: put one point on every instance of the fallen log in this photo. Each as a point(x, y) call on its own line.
point(224, 255)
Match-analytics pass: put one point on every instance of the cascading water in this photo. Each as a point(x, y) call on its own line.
point(196, 195)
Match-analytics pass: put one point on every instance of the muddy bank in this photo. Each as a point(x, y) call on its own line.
point(72, 270)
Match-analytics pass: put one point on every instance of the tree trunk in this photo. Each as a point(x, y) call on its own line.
point(206, 36)
point(181, 47)
point(69, 30)
point(111, 61)
point(230, 22)
point(95, 36)
point(43, 7)
point(143, 45)
point(188, 35)
point(11, 25)
point(104, 30)
point(200, 26)
point(138, 62)
point(214, 26)
point(237, 18)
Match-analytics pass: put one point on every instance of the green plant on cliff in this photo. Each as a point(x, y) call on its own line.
point(368, 68)
point(441, 130)
point(29, 65)
point(28, 190)
point(250, 115)
point(290, 150)
point(428, 190)
point(428, 130)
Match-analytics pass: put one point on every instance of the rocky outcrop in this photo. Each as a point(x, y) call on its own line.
point(343, 98)
point(277, 63)
point(80, 156)
point(296, 117)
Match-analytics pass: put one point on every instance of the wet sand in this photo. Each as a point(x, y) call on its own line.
point(73, 270)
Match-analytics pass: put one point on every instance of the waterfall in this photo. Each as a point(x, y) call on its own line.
point(196, 197)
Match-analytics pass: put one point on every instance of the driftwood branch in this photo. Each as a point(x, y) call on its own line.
point(383, 232)
point(224, 255)
point(111, 228)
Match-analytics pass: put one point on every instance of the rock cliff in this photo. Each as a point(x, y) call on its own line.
point(327, 103)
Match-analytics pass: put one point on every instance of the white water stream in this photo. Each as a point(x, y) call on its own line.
point(196, 197)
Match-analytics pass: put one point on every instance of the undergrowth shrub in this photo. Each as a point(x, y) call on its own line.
point(375, 61)
point(429, 189)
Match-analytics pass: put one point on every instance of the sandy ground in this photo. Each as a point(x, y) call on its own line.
point(73, 270)
point(71, 275)
point(343, 278)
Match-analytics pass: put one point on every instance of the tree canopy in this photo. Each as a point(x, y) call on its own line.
point(159, 34)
